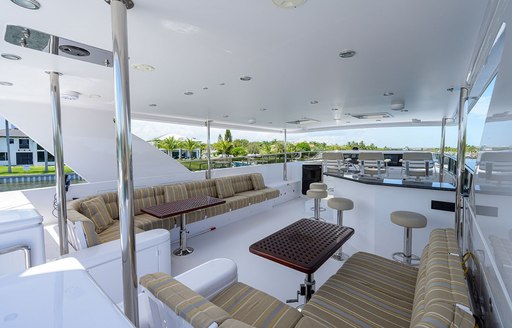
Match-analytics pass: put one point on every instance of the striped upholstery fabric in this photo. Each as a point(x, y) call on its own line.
point(143, 197)
point(257, 181)
point(224, 187)
point(202, 188)
point(110, 199)
point(255, 196)
point(193, 216)
point(307, 322)
point(256, 308)
point(216, 210)
point(241, 183)
point(147, 222)
point(89, 229)
point(96, 210)
point(112, 233)
point(233, 323)
point(390, 277)
point(175, 192)
point(236, 202)
point(349, 303)
point(186, 303)
point(443, 241)
point(159, 194)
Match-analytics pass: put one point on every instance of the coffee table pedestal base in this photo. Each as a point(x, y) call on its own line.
point(183, 251)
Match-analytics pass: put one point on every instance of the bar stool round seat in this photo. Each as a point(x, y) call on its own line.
point(340, 204)
point(318, 185)
point(317, 195)
point(408, 220)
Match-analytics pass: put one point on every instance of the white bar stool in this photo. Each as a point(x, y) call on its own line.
point(408, 220)
point(317, 195)
point(340, 205)
point(318, 185)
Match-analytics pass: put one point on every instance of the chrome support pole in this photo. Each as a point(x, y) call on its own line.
point(60, 179)
point(45, 161)
point(7, 140)
point(461, 156)
point(285, 167)
point(339, 255)
point(407, 245)
point(317, 208)
point(183, 250)
point(309, 283)
point(441, 149)
point(208, 151)
point(124, 158)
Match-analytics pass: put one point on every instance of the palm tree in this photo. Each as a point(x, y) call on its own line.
point(190, 145)
point(169, 144)
point(223, 146)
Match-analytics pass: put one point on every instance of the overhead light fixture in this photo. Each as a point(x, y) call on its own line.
point(387, 94)
point(205, 88)
point(222, 83)
point(263, 109)
point(188, 93)
point(371, 116)
point(336, 113)
point(288, 4)
point(397, 105)
point(225, 116)
point(69, 95)
point(347, 53)
point(94, 96)
point(6, 84)
point(313, 102)
point(252, 120)
point(143, 67)
point(304, 120)
point(245, 78)
point(152, 105)
point(27, 4)
point(11, 56)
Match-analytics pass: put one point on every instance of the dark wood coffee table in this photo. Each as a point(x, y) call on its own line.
point(303, 246)
point(181, 208)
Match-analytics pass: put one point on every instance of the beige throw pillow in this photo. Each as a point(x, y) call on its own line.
point(96, 210)
point(224, 188)
point(257, 181)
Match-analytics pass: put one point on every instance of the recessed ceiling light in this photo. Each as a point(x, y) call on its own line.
point(313, 102)
point(11, 56)
point(347, 53)
point(152, 105)
point(245, 78)
point(263, 109)
point(27, 4)
point(222, 83)
point(387, 94)
point(205, 88)
point(70, 95)
point(188, 93)
point(143, 67)
point(6, 84)
point(252, 120)
point(225, 116)
point(397, 105)
point(288, 4)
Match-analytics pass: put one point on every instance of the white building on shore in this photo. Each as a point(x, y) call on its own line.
point(24, 151)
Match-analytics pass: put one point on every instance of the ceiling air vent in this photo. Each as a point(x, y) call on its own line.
point(371, 116)
point(304, 120)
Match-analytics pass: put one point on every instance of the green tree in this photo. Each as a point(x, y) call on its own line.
point(228, 136)
point(253, 147)
point(241, 143)
point(239, 151)
point(265, 147)
point(223, 147)
point(303, 146)
point(169, 144)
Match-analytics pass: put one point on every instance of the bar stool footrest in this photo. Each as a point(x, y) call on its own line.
point(404, 259)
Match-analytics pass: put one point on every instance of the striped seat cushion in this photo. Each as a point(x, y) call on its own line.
point(236, 202)
point(147, 222)
point(241, 183)
point(186, 303)
point(175, 192)
point(96, 210)
point(202, 188)
point(384, 275)
point(224, 187)
point(256, 308)
point(257, 181)
point(254, 196)
point(143, 197)
point(233, 323)
point(112, 233)
point(348, 303)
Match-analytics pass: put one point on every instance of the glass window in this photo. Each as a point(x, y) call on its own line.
point(11, 141)
point(3, 156)
point(39, 147)
point(40, 157)
point(24, 144)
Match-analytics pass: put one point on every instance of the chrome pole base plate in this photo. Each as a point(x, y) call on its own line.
point(402, 258)
point(340, 256)
point(183, 252)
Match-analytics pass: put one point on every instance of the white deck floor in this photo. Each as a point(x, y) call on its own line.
point(233, 241)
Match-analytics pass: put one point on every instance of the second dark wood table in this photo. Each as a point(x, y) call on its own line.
point(181, 207)
point(304, 246)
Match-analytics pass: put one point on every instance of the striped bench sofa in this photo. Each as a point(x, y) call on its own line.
point(368, 291)
point(95, 219)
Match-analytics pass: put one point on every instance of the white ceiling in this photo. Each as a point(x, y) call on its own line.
point(416, 49)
